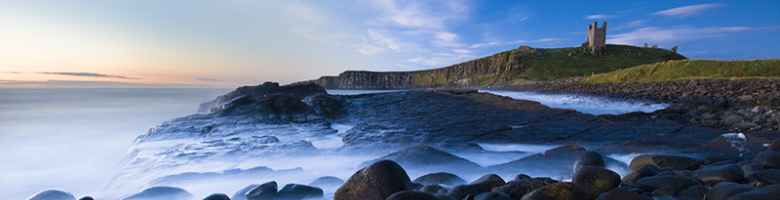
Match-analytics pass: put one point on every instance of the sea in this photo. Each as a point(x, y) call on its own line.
point(75, 139)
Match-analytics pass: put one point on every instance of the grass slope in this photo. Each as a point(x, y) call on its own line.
point(568, 62)
point(691, 69)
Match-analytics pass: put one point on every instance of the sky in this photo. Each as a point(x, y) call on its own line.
point(230, 43)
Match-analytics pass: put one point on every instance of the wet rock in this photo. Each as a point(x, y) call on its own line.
point(774, 146)
point(663, 161)
point(434, 189)
point(411, 195)
point(440, 178)
point(86, 198)
point(298, 192)
point(750, 167)
point(559, 161)
point(265, 191)
point(770, 159)
point(715, 174)
point(327, 182)
point(731, 120)
point(483, 184)
point(426, 158)
point(299, 91)
point(589, 159)
point(521, 177)
point(375, 182)
point(53, 194)
point(619, 194)
point(518, 188)
point(218, 196)
point(771, 192)
point(644, 171)
point(241, 194)
point(326, 105)
point(162, 192)
point(596, 180)
point(560, 191)
point(677, 183)
point(724, 190)
point(771, 176)
point(695, 192)
point(492, 196)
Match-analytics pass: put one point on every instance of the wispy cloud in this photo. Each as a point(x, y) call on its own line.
point(688, 10)
point(208, 79)
point(660, 35)
point(12, 72)
point(490, 44)
point(442, 60)
point(599, 16)
point(87, 74)
point(93, 84)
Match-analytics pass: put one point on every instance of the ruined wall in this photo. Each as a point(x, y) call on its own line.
point(597, 37)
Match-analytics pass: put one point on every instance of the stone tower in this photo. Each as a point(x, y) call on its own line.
point(597, 39)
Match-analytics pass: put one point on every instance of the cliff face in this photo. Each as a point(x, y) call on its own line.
point(518, 65)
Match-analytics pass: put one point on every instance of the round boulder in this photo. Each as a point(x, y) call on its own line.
point(411, 195)
point(770, 192)
point(619, 194)
point(597, 180)
point(161, 192)
point(725, 190)
point(664, 161)
point(715, 174)
point(517, 189)
point(440, 178)
point(492, 196)
point(559, 191)
point(218, 196)
point(298, 192)
point(481, 185)
point(589, 158)
point(375, 182)
point(678, 183)
point(241, 194)
point(771, 176)
point(266, 191)
point(52, 194)
point(770, 159)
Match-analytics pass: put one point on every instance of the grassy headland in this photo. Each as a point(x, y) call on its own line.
point(691, 69)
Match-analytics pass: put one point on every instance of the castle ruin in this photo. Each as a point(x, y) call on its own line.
point(597, 39)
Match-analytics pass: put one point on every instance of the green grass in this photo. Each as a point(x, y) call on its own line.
point(691, 69)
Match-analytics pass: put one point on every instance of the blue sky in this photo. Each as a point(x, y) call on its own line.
point(233, 43)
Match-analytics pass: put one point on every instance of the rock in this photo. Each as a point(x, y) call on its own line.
point(517, 189)
point(52, 194)
point(770, 159)
point(89, 198)
point(644, 171)
point(161, 193)
point(440, 178)
point(434, 189)
point(731, 120)
point(426, 158)
point(265, 191)
point(411, 195)
point(492, 196)
point(483, 184)
point(299, 91)
point(326, 105)
point(241, 194)
point(745, 125)
point(375, 182)
point(558, 191)
point(521, 177)
point(619, 194)
point(750, 167)
point(774, 146)
point(771, 192)
point(695, 192)
point(715, 174)
point(771, 176)
point(596, 180)
point(327, 183)
point(677, 183)
point(589, 159)
point(724, 190)
point(298, 192)
point(663, 161)
point(218, 196)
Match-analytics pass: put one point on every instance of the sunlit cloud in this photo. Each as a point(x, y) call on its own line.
point(688, 10)
point(462, 51)
point(599, 16)
point(660, 35)
point(93, 84)
point(87, 74)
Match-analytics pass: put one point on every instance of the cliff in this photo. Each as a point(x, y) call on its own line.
point(508, 67)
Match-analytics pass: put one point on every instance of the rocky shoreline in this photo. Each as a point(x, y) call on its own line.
point(742, 105)
point(682, 157)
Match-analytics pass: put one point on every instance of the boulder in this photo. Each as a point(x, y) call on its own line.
point(589, 159)
point(411, 195)
point(644, 171)
point(596, 180)
point(724, 190)
point(731, 120)
point(774, 146)
point(375, 182)
point(218, 196)
point(695, 192)
point(440, 178)
point(241, 194)
point(434, 189)
point(326, 105)
point(558, 191)
point(771, 176)
point(518, 188)
point(52, 194)
point(750, 167)
point(161, 193)
point(483, 184)
point(619, 194)
point(426, 158)
point(89, 198)
point(770, 159)
point(677, 183)
point(299, 91)
point(663, 161)
point(492, 196)
point(298, 192)
point(715, 174)
point(770, 192)
point(265, 191)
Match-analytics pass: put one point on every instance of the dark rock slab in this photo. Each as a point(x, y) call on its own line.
point(426, 158)
point(375, 182)
point(481, 185)
point(561, 191)
point(53, 194)
point(558, 161)
point(300, 91)
point(162, 192)
point(440, 178)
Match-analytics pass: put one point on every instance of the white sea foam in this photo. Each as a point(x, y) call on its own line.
point(584, 104)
